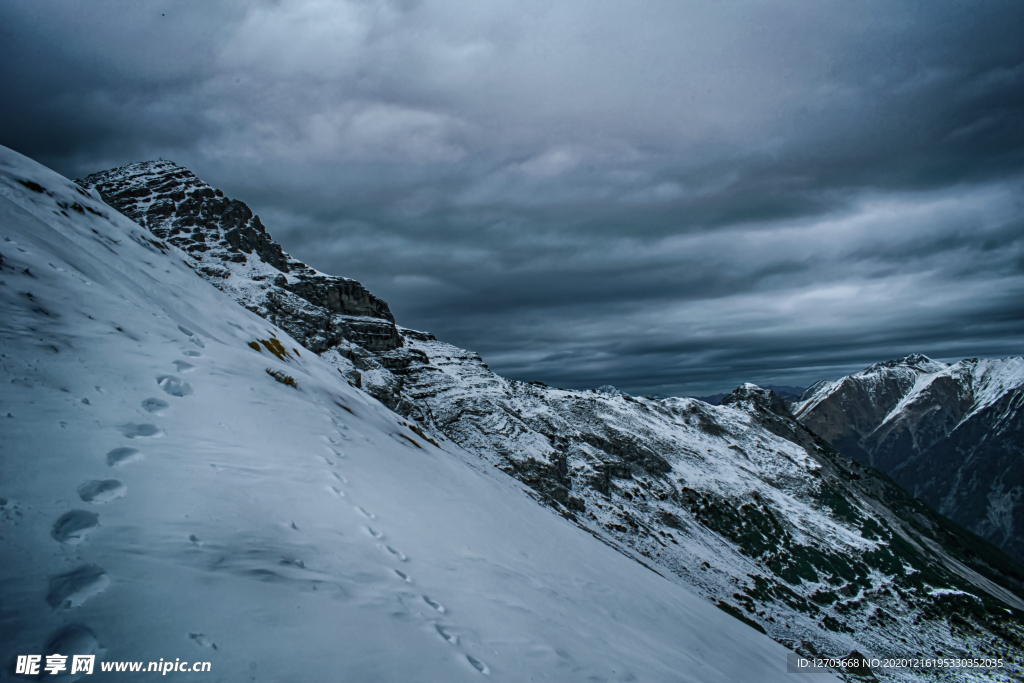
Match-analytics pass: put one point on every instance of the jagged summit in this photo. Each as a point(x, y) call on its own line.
point(227, 243)
point(747, 389)
point(752, 393)
point(917, 361)
point(155, 167)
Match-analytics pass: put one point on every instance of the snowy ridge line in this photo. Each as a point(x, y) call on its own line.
point(987, 380)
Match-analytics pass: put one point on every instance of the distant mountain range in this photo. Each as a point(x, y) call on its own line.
point(739, 503)
point(951, 434)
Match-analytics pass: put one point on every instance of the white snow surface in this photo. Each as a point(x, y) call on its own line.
point(165, 492)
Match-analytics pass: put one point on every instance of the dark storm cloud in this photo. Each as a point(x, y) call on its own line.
point(668, 198)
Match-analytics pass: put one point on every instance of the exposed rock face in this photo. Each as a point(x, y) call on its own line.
point(754, 396)
point(229, 245)
point(951, 434)
point(739, 502)
point(976, 474)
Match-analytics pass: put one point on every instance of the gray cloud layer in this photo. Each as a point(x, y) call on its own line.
point(670, 197)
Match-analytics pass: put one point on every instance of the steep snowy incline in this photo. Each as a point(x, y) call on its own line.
point(181, 480)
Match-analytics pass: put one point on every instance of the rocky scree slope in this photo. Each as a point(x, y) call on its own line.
point(952, 434)
point(739, 502)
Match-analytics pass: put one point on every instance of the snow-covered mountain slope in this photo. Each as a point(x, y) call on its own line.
point(180, 479)
point(953, 434)
point(738, 502)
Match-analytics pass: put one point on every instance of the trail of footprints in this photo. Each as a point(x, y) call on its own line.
point(73, 588)
point(446, 632)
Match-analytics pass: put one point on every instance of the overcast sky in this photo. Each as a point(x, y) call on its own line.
point(671, 197)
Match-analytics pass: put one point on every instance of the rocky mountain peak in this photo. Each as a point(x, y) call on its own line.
point(228, 244)
point(752, 396)
point(915, 361)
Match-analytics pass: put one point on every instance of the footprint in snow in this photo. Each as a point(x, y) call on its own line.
point(174, 385)
point(123, 456)
point(478, 665)
point(72, 526)
point(74, 588)
point(192, 336)
point(191, 354)
point(373, 532)
point(364, 513)
point(400, 555)
point(402, 575)
point(184, 366)
point(436, 605)
point(135, 431)
point(74, 639)
point(202, 640)
point(446, 634)
point(336, 491)
point(155, 406)
point(99, 491)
